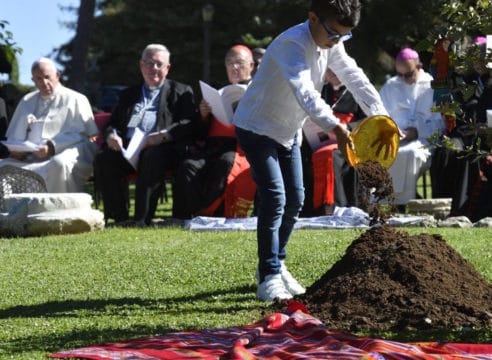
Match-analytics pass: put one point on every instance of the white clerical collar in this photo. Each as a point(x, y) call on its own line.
point(152, 88)
point(52, 96)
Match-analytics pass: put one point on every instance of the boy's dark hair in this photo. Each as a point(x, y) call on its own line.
point(345, 12)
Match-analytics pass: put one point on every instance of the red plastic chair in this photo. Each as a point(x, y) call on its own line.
point(101, 120)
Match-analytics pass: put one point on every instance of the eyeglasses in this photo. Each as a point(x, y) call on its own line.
point(407, 75)
point(334, 35)
point(153, 64)
point(238, 63)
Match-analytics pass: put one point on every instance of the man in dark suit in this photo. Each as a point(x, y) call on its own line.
point(165, 113)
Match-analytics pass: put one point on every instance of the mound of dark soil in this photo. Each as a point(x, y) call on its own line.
point(388, 279)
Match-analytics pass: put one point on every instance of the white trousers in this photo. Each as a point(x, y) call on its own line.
point(412, 160)
point(65, 172)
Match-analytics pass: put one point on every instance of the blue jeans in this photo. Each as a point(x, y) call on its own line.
point(277, 172)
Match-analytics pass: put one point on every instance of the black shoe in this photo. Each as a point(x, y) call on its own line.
point(402, 209)
point(328, 209)
point(4, 151)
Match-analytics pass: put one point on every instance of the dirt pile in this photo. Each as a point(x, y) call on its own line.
point(389, 279)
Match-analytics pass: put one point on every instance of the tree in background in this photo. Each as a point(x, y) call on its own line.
point(122, 28)
point(8, 49)
point(459, 23)
point(11, 92)
point(385, 28)
point(77, 65)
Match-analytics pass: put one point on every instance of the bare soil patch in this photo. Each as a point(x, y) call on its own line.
point(391, 280)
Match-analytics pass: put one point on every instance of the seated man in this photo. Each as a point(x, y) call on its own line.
point(408, 97)
point(454, 173)
point(257, 57)
point(328, 180)
point(60, 122)
point(165, 112)
point(202, 179)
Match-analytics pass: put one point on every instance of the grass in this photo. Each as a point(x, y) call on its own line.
point(60, 292)
point(424, 188)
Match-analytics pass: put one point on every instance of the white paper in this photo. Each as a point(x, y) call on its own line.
point(224, 101)
point(489, 118)
point(316, 136)
point(132, 152)
point(20, 146)
point(231, 94)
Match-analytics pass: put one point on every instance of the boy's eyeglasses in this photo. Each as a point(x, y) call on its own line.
point(332, 34)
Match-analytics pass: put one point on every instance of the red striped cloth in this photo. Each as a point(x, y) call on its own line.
point(278, 336)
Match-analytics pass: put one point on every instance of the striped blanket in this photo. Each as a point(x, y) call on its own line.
point(278, 336)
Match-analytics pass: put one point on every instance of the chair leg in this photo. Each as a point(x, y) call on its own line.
point(424, 185)
point(96, 199)
point(164, 193)
point(96, 195)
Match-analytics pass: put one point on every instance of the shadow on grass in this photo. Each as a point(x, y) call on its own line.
point(50, 343)
point(69, 308)
point(102, 331)
point(241, 299)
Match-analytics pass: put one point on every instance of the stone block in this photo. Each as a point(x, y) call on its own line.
point(485, 222)
point(456, 222)
point(34, 214)
point(42, 202)
point(65, 221)
point(440, 208)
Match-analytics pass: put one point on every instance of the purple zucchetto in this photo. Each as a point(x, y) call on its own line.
point(480, 40)
point(407, 54)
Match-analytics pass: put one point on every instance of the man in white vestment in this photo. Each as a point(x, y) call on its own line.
point(60, 124)
point(408, 97)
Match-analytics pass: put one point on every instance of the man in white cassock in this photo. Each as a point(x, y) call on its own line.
point(60, 123)
point(408, 97)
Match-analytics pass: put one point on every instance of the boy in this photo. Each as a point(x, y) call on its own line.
point(285, 90)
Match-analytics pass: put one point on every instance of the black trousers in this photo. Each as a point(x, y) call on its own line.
point(202, 178)
point(346, 183)
point(111, 171)
point(453, 176)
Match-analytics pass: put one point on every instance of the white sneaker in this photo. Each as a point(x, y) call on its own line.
point(291, 284)
point(272, 288)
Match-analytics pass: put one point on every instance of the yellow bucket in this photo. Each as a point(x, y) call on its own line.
point(375, 138)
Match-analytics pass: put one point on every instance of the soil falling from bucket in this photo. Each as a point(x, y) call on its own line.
point(374, 179)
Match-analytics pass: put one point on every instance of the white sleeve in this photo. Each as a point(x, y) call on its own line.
point(298, 73)
point(356, 81)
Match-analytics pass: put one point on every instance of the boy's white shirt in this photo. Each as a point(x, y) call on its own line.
point(287, 87)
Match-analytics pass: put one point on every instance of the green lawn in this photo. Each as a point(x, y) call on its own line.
point(61, 292)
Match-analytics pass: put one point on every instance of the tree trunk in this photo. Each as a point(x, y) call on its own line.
point(81, 45)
